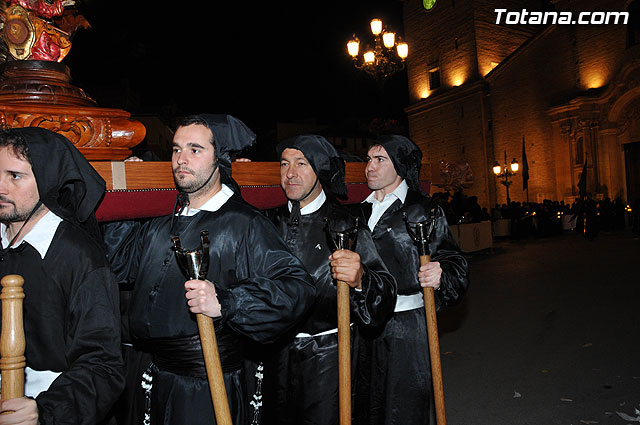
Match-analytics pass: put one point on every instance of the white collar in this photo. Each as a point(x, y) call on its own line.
point(312, 206)
point(399, 192)
point(214, 203)
point(40, 236)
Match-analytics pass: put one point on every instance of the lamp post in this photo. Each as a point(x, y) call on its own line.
point(505, 173)
point(383, 60)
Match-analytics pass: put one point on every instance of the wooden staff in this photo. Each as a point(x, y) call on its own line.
point(12, 341)
point(195, 264)
point(214, 369)
point(422, 241)
point(434, 348)
point(343, 240)
point(344, 353)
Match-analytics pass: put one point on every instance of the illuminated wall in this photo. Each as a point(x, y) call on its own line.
point(518, 73)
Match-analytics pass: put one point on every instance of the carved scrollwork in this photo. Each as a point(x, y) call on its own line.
point(82, 132)
point(585, 125)
point(566, 128)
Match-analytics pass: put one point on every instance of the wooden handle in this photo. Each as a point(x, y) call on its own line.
point(344, 353)
point(12, 341)
point(434, 349)
point(214, 369)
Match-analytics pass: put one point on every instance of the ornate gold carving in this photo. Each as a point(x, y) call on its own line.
point(19, 32)
point(80, 131)
point(53, 44)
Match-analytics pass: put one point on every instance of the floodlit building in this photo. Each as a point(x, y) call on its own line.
point(486, 75)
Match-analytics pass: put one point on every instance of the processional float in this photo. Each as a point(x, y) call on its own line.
point(36, 91)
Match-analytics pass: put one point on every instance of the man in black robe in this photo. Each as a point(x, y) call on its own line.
point(394, 377)
point(306, 364)
point(48, 194)
point(255, 288)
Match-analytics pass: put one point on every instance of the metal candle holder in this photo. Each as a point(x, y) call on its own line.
point(422, 234)
point(345, 239)
point(193, 263)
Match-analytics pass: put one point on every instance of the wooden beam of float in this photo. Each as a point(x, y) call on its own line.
point(146, 189)
point(123, 175)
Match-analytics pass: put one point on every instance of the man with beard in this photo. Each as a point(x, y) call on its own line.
point(394, 384)
point(48, 194)
point(255, 288)
point(305, 366)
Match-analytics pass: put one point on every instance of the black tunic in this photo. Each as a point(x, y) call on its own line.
point(262, 288)
point(306, 387)
point(394, 378)
point(72, 325)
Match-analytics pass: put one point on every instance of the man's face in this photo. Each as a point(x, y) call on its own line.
point(193, 157)
point(18, 187)
point(380, 171)
point(297, 177)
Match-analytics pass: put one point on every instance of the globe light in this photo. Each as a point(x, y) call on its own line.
point(389, 39)
point(514, 165)
point(369, 57)
point(403, 50)
point(497, 169)
point(376, 26)
point(353, 46)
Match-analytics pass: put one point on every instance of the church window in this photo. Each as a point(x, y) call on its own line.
point(434, 78)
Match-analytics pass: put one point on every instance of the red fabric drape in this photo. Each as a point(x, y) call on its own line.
point(125, 205)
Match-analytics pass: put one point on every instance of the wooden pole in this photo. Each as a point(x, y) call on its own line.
point(214, 369)
point(195, 264)
point(344, 353)
point(434, 349)
point(12, 341)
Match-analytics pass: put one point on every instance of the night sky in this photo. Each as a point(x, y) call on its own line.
point(263, 62)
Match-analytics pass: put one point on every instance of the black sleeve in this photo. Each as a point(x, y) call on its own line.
point(94, 379)
point(375, 303)
point(455, 268)
point(273, 290)
point(124, 241)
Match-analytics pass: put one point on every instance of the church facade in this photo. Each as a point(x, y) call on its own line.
point(488, 79)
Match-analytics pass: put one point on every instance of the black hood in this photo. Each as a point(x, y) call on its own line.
point(230, 135)
point(67, 184)
point(323, 158)
point(406, 157)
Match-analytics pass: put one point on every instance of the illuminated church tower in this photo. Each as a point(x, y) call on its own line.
point(478, 88)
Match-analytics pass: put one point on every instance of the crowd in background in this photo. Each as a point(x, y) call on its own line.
point(547, 218)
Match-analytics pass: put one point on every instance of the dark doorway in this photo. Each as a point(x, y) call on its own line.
point(632, 165)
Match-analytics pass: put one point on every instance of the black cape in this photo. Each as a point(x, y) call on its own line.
point(71, 323)
point(262, 287)
point(302, 382)
point(393, 385)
